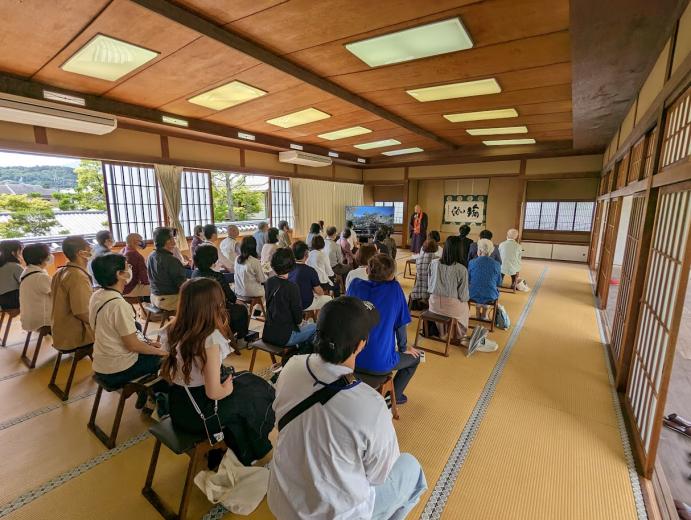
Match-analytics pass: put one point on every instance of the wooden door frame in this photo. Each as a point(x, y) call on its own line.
point(605, 264)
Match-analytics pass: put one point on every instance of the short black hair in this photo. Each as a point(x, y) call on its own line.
point(346, 233)
point(198, 229)
point(106, 267)
point(318, 242)
point(452, 251)
point(72, 245)
point(464, 230)
point(283, 224)
point(434, 235)
point(283, 261)
point(272, 235)
point(349, 223)
point(205, 256)
point(103, 236)
point(210, 230)
point(486, 233)
point(314, 227)
point(300, 249)
point(161, 236)
point(36, 254)
point(380, 235)
point(331, 231)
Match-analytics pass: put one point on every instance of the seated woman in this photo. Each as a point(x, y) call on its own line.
point(121, 354)
point(472, 251)
point(205, 258)
point(197, 340)
point(318, 260)
point(315, 230)
point(485, 277)
point(447, 282)
point(346, 247)
point(436, 236)
point(419, 296)
point(379, 238)
point(249, 275)
point(10, 273)
point(389, 242)
point(364, 253)
point(466, 242)
point(269, 248)
point(284, 325)
point(510, 251)
point(34, 288)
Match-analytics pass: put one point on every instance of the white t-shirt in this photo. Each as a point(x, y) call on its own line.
point(197, 372)
point(320, 262)
point(115, 320)
point(223, 262)
point(360, 272)
point(327, 460)
point(249, 277)
point(34, 294)
point(229, 249)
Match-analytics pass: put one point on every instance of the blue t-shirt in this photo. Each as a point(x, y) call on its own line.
point(306, 278)
point(380, 354)
point(484, 276)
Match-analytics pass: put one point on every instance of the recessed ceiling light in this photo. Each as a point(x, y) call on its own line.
point(346, 132)
point(422, 41)
point(174, 121)
point(482, 116)
point(502, 142)
point(479, 87)
point(107, 58)
point(63, 98)
point(377, 144)
point(498, 131)
point(403, 151)
point(309, 115)
point(227, 95)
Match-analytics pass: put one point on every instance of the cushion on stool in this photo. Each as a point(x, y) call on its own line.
point(373, 380)
point(271, 349)
point(177, 441)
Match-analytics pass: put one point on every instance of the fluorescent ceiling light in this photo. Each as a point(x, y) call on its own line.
point(502, 142)
point(498, 131)
point(63, 98)
point(174, 121)
point(346, 132)
point(333, 154)
point(479, 87)
point(377, 144)
point(361, 160)
point(245, 135)
point(482, 116)
point(309, 115)
point(107, 58)
point(296, 146)
point(403, 151)
point(227, 95)
point(422, 41)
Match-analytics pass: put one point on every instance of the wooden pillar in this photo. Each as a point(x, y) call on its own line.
point(523, 189)
point(406, 211)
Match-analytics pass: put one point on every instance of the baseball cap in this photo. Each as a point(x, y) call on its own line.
point(346, 319)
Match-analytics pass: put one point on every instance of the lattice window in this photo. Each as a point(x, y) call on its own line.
point(649, 152)
point(607, 254)
point(558, 216)
point(132, 199)
point(195, 191)
point(677, 141)
point(623, 171)
point(636, 165)
point(281, 202)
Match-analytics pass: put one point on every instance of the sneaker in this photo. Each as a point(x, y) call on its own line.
point(487, 345)
point(402, 400)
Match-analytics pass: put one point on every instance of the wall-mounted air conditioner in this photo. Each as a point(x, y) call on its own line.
point(16, 109)
point(304, 158)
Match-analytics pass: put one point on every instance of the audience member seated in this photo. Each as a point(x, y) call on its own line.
point(284, 325)
point(320, 262)
point(339, 460)
point(447, 283)
point(166, 273)
point(379, 238)
point(197, 340)
point(352, 236)
point(380, 355)
point(197, 239)
point(230, 247)
point(389, 242)
point(210, 237)
point(511, 252)
point(472, 252)
point(249, 275)
point(436, 236)
point(419, 296)
point(71, 290)
point(333, 251)
point(321, 227)
point(260, 236)
point(138, 286)
point(270, 247)
point(362, 257)
point(306, 278)
point(485, 278)
point(347, 248)
point(121, 354)
point(204, 259)
point(314, 231)
point(466, 242)
point(104, 243)
point(285, 238)
point(10, 273)
point(34, 287)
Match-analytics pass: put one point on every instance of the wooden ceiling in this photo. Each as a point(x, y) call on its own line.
point(524, 44)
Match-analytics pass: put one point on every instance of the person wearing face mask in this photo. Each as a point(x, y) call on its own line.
point(104, 244)
point(34, 288)
point(138, 286)
point(120, 353)
point(10, 273)
point(166, 273)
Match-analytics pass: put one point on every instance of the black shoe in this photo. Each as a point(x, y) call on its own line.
point(141, 400)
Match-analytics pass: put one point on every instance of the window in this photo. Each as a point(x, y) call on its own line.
point(133, 202)
point(281, 202)
point(196, 200)
point(397, 212)
point(238, 197)
point(558, 216)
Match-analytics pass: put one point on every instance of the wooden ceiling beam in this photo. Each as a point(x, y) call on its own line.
point(223, 35)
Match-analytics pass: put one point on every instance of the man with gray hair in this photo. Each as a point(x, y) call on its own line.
point(485, 278)
point(511, 252)
point(230, 247)
point(260, 236)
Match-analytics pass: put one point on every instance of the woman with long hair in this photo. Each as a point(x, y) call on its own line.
point(269, 248)
point(197, 340)
point(249, 275)
point(314, 231)
point(10, 273)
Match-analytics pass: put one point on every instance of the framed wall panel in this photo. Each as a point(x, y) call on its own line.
point(676, 145)
point(637, 161)
point(609, 243)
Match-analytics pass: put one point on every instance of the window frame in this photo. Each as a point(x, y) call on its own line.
point(191, 213)
point(556, 216)
point(392, 203)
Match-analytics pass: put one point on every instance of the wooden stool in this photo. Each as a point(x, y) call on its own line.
point(12, 314)
point(79, 354)
point(273, 350)
point(151, 311)
point(492, 313)
point(408, 269)
point(142, 384)
point(251, 302)
point(423, 321)
point(382, 384)
point(42, 332)
point(136, 300)
point(196, 447)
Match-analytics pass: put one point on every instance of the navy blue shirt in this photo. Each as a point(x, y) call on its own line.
point(306, 278)
point(484, 274)
point(380, 354)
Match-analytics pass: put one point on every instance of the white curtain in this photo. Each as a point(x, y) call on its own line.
point(170, 179)
point(322, 200)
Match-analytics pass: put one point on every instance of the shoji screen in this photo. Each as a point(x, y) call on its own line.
point(595, 236)
point(599, 232)
point(609, 242)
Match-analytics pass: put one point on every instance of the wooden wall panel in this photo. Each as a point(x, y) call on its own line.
point(465, 170)
point(553, 165)
point(653, 84)
point(224, 157)
point(607, 253)
point(682, 47)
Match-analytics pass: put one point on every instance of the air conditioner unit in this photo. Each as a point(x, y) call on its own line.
point(304, 158)
point(16, 109)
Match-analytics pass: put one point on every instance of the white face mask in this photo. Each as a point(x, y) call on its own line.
point(86, 254)
point(128, 273)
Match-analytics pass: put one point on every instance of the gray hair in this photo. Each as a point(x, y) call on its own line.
point(484, 247)
point(512, 234)
point(262, 225)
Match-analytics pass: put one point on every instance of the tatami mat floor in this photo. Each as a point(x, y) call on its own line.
point(548, 446)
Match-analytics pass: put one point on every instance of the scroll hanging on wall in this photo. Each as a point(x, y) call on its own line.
point(465, 209)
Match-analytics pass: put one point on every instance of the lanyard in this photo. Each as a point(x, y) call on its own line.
point(196, 406)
